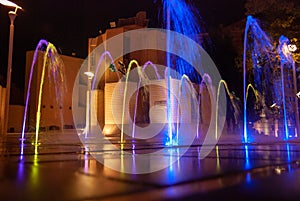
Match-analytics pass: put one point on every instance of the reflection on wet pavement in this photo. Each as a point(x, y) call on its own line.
point(63, 169)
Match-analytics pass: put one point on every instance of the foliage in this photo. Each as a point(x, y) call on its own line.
point(278, 18)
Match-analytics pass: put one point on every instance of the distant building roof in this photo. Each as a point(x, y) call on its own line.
point(140, 19)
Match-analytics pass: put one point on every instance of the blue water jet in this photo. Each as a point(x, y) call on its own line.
point(260, 45)
point(183, 18)
point(286, 60)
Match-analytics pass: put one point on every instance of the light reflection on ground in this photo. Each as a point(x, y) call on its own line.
point(63, 165)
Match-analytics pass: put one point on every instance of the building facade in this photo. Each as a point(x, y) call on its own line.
point(54, 114)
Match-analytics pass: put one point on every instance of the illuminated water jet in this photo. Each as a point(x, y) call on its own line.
point(262, 49)
point(142, 77)
point(51, 60)
point(182, 18)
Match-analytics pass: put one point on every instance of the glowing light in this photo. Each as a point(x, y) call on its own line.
point(217, 104)
point(122, 155)
point(22, 150)
point(244, 79)
point(292, 47)
point(168, 73)
point(288, 152)
point(100, 61)
point(182, 18)
point(185, 79)
point(248, 177)
point(257, 99)
point(34, 176)
point(132, 62)
point(261, 45)
point(218, 158)
point(52, 60)
point(149, 63)
point(247, 162)
point(107, 130)
point(21, 171)
point(36, 148)
point(133, 155)
point(89, 74)
point(86, 162)
point(283, 50)
point(142, 77)
point(256, 93)
point(171, 143)
point(171, 176)
point(35, 56)
point(279, 170)
point(10, 4)
point(51, 50)
point(298, 94)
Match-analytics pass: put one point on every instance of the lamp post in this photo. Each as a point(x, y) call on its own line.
point(90, 76)
point(292, 48)
point(12, 16)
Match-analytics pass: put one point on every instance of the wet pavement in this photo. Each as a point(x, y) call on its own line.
point(61, 168)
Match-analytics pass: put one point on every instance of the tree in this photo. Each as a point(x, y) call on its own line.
point(278, 18)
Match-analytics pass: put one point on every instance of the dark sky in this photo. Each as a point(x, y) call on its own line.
point(69, 23)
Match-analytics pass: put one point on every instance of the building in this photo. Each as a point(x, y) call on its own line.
point(54, 114)
point(94, 106)
point(102, 94)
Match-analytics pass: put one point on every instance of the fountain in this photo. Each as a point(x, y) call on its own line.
point(92, 82)
point(100, 62)
point(142, 78)
point(39, 47)
point(182, 18)
point(187, 69)
point(287, 63)
point(52, 61)
point(178, 100)
point(262, 53)
point(270, 73)
point(124, 98)
point(232, 102)
point(182, 86)
point(126, 73)
point(183, 104)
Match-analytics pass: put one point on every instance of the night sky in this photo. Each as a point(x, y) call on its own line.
point(69, 23)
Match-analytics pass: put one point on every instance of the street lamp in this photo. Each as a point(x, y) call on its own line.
point(90, 76)
point(288, 50)
point(10, 4)
point(12, 16)
point(292, 48)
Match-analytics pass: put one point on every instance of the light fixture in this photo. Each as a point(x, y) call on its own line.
point(10, 4)
point(12, 15)
point(112, 24)
point(89, 74)
point(292, 47)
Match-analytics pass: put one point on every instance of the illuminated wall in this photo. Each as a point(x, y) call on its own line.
point(51, 109)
